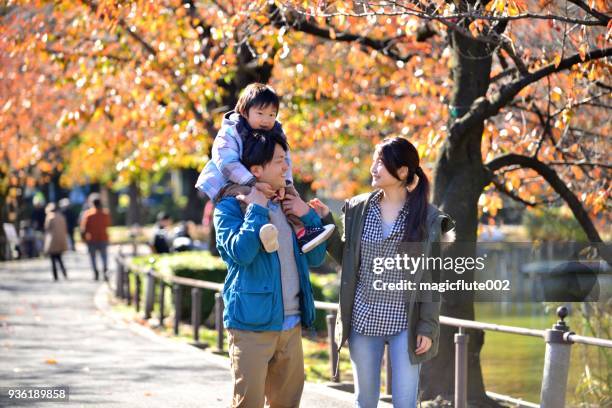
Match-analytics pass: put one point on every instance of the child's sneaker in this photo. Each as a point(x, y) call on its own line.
point(315, 236)
point(268, 234)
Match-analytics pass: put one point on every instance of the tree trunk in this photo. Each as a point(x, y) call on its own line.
point(459, 180)
point(134, 213)
point(195, 202)
point(112, 200)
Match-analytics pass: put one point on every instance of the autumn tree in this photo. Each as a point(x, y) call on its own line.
point(506, 97)
point(500, 97)
point(144, 87)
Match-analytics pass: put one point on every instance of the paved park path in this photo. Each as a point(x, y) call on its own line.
point(63, 333)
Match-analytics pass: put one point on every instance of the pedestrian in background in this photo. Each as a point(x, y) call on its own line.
point(94, 225)
point(56, 238)
point(161, 242)
point(71, 219)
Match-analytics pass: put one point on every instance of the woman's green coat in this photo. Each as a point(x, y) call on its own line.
point(423, 317)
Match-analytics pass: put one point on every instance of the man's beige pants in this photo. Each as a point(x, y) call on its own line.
point(267, 365)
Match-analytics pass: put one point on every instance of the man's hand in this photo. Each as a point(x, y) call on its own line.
point(266, 189)
point(254, 197)
point(321, 209)
point(423, 344)
point(293, 205)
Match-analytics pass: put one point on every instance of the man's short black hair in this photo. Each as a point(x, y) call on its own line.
point(258, 147)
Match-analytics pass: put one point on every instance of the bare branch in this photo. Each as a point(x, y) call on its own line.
point(598, 15)
point(483, 108)
point(588, 133)
point(602, 85)
point(53, 51)
point(412, 11)
point(580, 163)
point(555, 182)
point(501, 188)
point(520, 65)
point(503, 74)
point(385, 46)
point(586, 101)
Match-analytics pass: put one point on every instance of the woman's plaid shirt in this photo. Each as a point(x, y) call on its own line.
point(379, 312)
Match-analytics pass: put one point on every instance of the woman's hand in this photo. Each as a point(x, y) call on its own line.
point(321, 209)
point(423, 344)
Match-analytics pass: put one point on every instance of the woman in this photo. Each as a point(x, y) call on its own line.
point(374, 225)
point(56, 238)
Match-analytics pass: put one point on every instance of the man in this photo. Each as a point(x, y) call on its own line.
point(94, 226)
point(71, 219)
point(266, 295)
point(161, 242)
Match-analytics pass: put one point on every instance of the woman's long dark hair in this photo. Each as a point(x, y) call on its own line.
point(398, 152)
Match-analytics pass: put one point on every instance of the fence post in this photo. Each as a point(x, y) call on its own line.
point(162, 301)
point(461, 368)
point(119, 277)
point(134, 231)
point(128, 289)
point(196, 313)
point(137, 294)
point(556, 363)
point(219, 321)
point(149, 294)
point(178, 303)
point(333, 348)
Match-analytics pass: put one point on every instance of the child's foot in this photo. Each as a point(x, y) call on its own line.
point(314, 237)
point(268, 234)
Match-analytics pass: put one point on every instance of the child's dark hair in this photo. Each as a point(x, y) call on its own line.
point(256, 95)
point(398, 152)
point(258, 147)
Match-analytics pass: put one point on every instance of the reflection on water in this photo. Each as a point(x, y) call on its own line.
point(513, 364)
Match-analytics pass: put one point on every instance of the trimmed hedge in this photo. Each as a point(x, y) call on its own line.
point(195, 265)
point(553, 224)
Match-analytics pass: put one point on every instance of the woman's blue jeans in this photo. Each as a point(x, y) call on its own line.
point(366, 358)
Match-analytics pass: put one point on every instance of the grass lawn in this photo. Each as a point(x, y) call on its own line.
point(513, 364)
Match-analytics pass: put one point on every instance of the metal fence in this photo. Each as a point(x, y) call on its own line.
point(559, 338)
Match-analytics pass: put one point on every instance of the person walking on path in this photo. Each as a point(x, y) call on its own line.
point(56, 238)
point(71, 219)
point(94, 225)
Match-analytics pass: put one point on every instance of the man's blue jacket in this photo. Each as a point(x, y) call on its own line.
point(252, 292)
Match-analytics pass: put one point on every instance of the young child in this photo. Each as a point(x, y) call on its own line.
point(224, 175)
